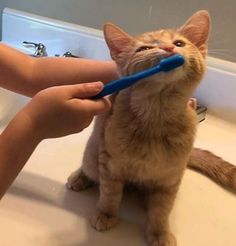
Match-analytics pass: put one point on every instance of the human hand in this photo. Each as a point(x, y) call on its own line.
point(192, 102)
point(63, 110)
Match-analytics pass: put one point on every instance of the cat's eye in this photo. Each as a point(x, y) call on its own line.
point(179, 43)
point(143, 48)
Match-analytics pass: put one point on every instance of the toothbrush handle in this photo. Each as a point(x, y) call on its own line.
point(125, 82)
point(165, 65)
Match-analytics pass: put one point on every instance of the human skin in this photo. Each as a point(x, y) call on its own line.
point(60, 105)
point(28, 75)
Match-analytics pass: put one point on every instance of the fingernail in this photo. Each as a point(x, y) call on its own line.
point(96, 85)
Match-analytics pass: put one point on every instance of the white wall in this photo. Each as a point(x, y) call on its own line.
point(137, 16)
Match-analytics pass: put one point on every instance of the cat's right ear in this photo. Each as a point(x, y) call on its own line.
point(116, 39)
point(196, 29)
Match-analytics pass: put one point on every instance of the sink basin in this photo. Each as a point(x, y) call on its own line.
point(5, 104)
point(41, 211)
point(10, 104)
point(38, 210)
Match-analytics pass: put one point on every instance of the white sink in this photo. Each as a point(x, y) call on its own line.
point(39, 211)
point(5, 104)
point(10, 104)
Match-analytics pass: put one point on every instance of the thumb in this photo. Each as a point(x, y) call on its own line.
point(97, 106)
point(85, 90)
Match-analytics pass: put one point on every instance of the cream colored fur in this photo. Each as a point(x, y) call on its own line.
point(147, 138)
point(219, 170)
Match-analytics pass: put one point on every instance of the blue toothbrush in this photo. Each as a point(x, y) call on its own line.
point(165, 65)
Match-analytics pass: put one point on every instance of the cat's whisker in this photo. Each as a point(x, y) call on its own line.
point(221, 55)
point(222, 51)
point(150, 12)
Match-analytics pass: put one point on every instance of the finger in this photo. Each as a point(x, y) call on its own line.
point(101, 106)
point(92, 107)
point(193, 103)
point(85, 90)
point(98, 106)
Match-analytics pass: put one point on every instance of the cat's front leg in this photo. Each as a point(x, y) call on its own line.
point(159, 204)
point(111, 192)
point(78, 181)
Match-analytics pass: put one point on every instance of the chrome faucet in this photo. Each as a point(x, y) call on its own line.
point(69, 54)
point(40, 49)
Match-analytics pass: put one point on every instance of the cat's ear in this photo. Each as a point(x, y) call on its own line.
point(196, 29)
point(116, 39)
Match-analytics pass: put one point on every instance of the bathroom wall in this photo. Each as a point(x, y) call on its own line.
point(137, 16)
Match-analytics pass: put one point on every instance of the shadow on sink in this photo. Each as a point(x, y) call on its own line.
point(53, 193)
point(48, 191)
point(49, 202)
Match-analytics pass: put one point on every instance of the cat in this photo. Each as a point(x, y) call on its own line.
point(214, 167)
point(147, 138)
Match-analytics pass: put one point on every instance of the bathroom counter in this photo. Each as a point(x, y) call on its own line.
point(38, 209)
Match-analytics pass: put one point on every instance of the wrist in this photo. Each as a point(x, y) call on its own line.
point(17, 143)
point(24, 126)
point(114, 73)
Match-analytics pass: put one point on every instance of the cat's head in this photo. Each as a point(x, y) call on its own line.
point(133, 54)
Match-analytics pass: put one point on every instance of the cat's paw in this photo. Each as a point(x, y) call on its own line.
point(165, 239)
point(102, 222)
point(78, 181)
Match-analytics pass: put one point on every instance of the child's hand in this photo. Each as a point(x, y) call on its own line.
point(64, 110)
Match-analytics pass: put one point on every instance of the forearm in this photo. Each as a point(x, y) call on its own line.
point(15, 70)
point(27, 75)
point(52, 113)
point(52, 71)
point(17, 142)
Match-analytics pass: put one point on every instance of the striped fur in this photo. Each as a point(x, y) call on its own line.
point(148, 136)
point(214, 167)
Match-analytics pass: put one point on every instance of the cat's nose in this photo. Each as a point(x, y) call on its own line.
point(167, 47)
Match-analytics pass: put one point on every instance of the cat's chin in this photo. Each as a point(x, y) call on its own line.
point(169, 77)
point(165, 55)
point(142, 66)
point(156, 83)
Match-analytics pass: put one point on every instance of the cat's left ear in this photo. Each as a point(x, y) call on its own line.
point(196, 29)
point(116, 39)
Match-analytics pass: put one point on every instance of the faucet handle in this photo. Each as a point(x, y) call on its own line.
point(40, 49)
point(69, 54)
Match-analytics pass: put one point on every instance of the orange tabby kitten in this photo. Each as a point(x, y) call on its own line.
point(148, 136)
point(219, 170)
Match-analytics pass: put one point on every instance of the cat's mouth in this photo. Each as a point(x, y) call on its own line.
point(162, 55)
point(166, 55)
point(150, 61)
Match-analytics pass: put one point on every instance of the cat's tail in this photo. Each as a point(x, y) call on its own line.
point(214, 167)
